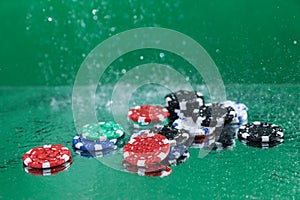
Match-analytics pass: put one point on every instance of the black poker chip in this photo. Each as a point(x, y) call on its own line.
point(261, 134)
point(177, 137)
point(227, 136)
point(183, 103)
point(214, 115)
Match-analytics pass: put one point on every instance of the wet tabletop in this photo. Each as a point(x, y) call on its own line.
point(34, 116)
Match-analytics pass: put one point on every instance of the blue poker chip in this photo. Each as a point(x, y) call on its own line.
point(176, 152)
point(95, 154)
point(86, 145)
point(177, 161)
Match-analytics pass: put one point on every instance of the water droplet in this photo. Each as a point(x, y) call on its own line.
point(161, 55)
point(295, 42)
point(218, 50)
point(134, 16)
point(94, 11)
point(95, 17)
point(142, 57)
point(112, 29)
point(123, 71)
point(82, 24)
point(49, 19)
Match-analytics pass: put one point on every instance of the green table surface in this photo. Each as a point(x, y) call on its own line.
point(33, 116)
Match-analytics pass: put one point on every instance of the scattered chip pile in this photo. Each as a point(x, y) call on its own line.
point(160, 136)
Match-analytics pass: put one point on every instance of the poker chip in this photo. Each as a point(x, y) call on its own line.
point(146, 149)
point(176, 152)
point(122, 141)
point(240, 109)
point(95, 154)
point(46, 156)
point(177, 137)
point(204, 141)
point(261, 134)
point(141, 132)
point(227, 137)
point(48, 171)
point(102, 131)
point(192, 128)
point(200, 137)
point(167, 171)
point(150, 125)
point(184, 156)
point(146, 114)
point(162, 171)
point(214, 115)
point(219, 137)
point(139, 170)
point(87, 145)
point(183, 103)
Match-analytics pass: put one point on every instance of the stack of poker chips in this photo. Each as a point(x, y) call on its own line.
point(183, 103)
point(179, 141)
point(99, 139)
point(211, 125)
point(152, 154)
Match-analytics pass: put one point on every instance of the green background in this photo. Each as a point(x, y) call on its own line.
point(255, 45)
point(44, 42)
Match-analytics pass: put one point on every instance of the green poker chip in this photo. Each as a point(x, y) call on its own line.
point(102, 131)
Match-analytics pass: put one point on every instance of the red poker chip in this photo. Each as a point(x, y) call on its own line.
point(49, 171)
point(146, 149)
point(136, 170)
point(148, 113)
point(161, 173)
point(46, 156)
